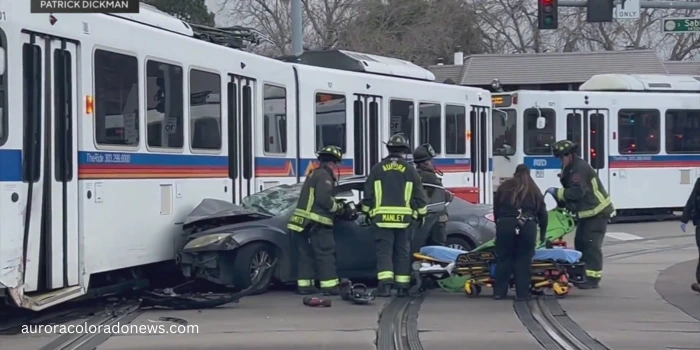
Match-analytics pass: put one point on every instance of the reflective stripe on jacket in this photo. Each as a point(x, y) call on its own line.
point(393, 193)
point(316, 202)
point(583, 192)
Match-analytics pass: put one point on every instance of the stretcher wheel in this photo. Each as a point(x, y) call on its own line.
point(560, 289)
point(472, 289)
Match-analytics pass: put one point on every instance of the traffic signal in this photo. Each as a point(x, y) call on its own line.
point(548, 14)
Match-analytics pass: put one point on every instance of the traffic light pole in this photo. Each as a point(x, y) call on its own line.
point(676, 5)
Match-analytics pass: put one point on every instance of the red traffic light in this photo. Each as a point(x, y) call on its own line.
point(547, 2)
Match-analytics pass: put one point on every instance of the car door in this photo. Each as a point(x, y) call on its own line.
point(354, 240)
point(437, 205)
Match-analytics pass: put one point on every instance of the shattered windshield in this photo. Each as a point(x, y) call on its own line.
point(275, 200)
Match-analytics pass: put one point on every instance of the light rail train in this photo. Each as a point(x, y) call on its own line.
point(640, 132)
point(114, 127)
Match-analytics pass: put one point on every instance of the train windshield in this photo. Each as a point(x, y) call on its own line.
point(504, 132)
point(275, 201)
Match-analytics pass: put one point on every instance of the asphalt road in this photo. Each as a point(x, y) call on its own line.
point(643, 262)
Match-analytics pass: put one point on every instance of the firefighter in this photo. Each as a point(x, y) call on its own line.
point(312, 222)
point(423, 158)
point(584, 195)
point(691, 212)
point(393, 198)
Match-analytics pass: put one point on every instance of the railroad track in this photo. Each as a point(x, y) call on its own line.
point(94, 329)
point(398, 325)
point(552, 327)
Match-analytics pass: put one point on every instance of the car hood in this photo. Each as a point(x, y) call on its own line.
point(462, 209)
point(211, 211)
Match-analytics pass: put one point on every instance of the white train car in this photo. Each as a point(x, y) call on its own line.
point(635, 130)
point(117, 126)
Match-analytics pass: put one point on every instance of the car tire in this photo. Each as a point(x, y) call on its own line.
point(248, 258)
point(458, 241)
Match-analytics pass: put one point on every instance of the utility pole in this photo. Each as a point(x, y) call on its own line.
point(297, 34)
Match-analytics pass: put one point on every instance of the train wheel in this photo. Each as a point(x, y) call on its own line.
point(560, 289)
point(472, 289)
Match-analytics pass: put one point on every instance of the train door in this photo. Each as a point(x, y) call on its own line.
point(479, 151)
point(51, 243)
point(367, 129)
point(240, 95)
point(586, 127)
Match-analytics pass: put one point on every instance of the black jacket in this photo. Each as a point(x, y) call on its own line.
point(503, 207)
point(690, 211)
point(583, 192)
point(316, 202)
point(393, 193)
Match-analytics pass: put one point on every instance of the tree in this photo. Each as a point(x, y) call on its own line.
point(416, 30)
point(191, 11)
point(510, 26)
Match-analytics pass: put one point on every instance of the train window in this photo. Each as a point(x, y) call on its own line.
point(574, 131)
point(539, 141)
point(330, 120)
point(3, 94)
point(164, 105)
point(205, 110)
point(683, 131)
point(505, 134)
point(275, 119)
point(429, 125)
point(455, 129)
point(116, 99)
point(32, 64)
point(638, 131)
point(401, 122)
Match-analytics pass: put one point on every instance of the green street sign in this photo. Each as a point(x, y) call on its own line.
point(680, 25)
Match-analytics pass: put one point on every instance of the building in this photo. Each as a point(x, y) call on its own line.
point(553, 71)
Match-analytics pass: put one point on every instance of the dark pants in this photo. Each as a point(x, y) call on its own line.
point(697, 241)
point(393, 259)
point(514, 253)
point(316, 256)
point(438, 234)
point(590, 233)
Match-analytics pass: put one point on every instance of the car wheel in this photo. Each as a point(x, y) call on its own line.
point(249, 261)
point(456, 241)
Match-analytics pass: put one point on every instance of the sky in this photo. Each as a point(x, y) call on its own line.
point(215, 6)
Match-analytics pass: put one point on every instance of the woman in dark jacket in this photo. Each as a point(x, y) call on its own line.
point(692, 212)
point(518, 210)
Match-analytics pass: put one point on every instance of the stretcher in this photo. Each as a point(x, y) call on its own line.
point(551, 268)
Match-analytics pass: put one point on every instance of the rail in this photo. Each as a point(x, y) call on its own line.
point(398, 325)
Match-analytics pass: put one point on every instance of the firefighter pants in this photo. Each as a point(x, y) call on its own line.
point(438, 234)
point(514, 253)
point(393, 258)
point(697, 242)
point(316, 257)
point(590, 233)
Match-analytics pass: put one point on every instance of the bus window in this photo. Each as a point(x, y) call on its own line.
point(429, 125)
point(683, 131)
point(164, 105)
point(455, 129)
point(402, 114)
point(539, 141)
point(205, 110)
point(574, 131)
point(275, 119)
point(504, 132)
point(116, 99)
point(3, 94)
point(638, 131)
point(330, 120)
